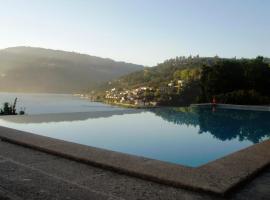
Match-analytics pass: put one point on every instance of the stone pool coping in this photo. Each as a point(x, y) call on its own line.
point(234, 106)
point(220, 176)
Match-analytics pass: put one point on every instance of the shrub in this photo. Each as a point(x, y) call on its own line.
point(243, 97)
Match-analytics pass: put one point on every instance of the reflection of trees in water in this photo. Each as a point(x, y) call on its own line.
point(181, 116)
point(222, 124)
point(229, 124)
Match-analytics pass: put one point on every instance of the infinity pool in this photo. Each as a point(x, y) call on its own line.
point(186, 136)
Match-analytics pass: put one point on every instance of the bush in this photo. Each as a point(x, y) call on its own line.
point(243, 97)
point(7, 109)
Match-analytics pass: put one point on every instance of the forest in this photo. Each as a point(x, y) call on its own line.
point(229, 80)
point(236, 82)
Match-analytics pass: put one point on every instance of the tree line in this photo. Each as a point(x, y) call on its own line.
point(245, 81)
point(229, 80)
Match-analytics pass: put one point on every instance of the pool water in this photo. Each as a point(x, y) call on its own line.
point(186, 136)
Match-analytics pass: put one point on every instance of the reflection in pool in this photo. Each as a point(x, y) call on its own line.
point(188, 136)
point(223, 124)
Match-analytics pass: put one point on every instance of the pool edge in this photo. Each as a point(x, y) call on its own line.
point(234, 106)
point(220, 176)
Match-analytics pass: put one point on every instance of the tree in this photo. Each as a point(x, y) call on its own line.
point(7, 109)
point(228, 76)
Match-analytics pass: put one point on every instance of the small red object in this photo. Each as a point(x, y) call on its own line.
point(214, 100)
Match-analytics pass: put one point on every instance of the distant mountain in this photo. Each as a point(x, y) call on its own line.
point(27, 69)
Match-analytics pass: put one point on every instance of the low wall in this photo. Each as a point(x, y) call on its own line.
point(233, 106)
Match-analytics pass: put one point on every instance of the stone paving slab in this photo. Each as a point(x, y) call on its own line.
point(218, 177)
point(20, 179)
point(96, 179)
point(259, 188)
point(6, 195)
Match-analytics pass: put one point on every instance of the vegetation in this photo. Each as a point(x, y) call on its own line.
point(7, 109)
point(161, 74)
point(182, 81)
point(25, 69)
point(237, 82)
point(243, 97)
point(10, 109)
point(164, 81)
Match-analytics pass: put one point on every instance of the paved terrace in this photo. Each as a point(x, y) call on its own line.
point(38, 167)
point(30, 174)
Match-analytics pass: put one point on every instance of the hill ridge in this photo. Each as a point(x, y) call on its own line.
point(35, 69)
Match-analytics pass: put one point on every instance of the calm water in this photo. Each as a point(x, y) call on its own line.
point(185, 136)
point(53, 103)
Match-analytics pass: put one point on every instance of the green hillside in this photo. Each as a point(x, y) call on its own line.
point(161, 74)
point(185, 80)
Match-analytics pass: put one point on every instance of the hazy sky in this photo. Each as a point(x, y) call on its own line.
point(139, 31)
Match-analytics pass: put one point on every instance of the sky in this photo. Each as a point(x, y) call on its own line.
point(139, 31)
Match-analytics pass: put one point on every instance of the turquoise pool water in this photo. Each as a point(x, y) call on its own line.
point(186, 136)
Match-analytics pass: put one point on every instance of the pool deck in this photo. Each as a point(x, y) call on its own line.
point(219, 178)
point(29, 174)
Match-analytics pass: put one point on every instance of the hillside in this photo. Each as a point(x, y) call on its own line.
point(27, 69)
point(161, 74)
point(180, 81)
point(165, 72)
